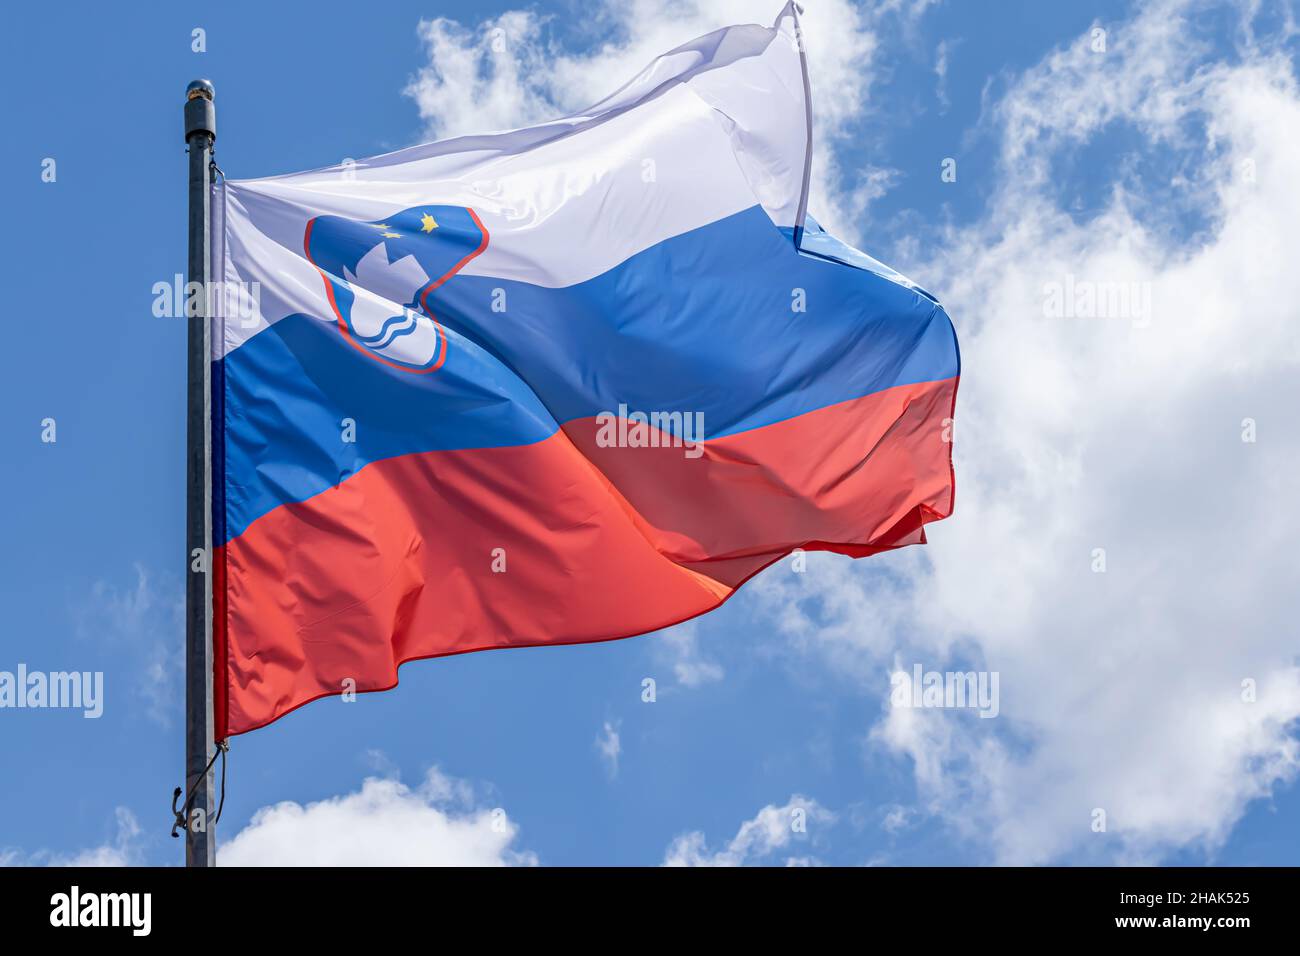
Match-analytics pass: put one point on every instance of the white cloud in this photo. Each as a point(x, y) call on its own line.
point(385, 823)
point(123, 850)
point(609, 747)
point(148, 626)
point(941, 54)
point(490, 77)
point(1120, 690)
point(759, 841)
point(680, 647)
point(897, 818)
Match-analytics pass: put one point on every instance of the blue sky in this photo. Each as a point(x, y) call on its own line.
point(769, 711)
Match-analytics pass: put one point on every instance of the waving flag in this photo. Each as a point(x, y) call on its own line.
point(557, 385)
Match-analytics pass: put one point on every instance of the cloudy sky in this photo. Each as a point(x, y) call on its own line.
point(1119, 554)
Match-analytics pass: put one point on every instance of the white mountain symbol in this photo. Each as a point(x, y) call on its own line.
point(379, 317)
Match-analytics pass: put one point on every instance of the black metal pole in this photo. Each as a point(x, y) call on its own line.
point(200, 134)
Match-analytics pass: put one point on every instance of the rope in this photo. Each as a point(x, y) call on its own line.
point(221, 804)
point(182, 815)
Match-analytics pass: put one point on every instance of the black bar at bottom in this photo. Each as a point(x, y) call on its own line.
point(864, 908)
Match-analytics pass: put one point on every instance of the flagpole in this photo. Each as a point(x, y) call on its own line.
point(200, 134)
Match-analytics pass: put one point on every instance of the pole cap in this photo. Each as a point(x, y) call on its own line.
point(200, 111)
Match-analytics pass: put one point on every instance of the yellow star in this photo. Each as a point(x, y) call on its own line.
point(391, 235)
point(378, 225)
point(429, 223)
